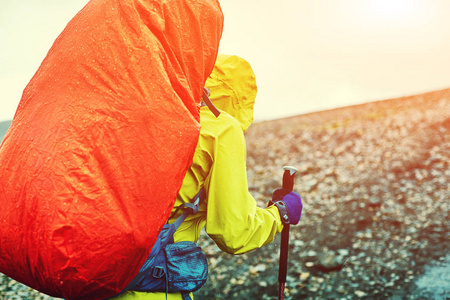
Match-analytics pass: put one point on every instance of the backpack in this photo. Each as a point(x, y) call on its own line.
point(101, 140)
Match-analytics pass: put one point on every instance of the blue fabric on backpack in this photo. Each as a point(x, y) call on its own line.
point(179, 267)
point(173, 267)
point(187, 266)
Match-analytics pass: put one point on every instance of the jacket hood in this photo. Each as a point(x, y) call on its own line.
point(233, 89)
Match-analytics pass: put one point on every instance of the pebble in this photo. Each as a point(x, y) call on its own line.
point(360, 294)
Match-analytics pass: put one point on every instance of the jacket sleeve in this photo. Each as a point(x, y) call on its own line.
point(234, 221)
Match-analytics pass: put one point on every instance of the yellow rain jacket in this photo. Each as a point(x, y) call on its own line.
point(229, 214)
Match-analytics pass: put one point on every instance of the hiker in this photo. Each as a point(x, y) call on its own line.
point(229, 213)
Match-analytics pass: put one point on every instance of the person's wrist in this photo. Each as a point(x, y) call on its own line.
point(283, 210)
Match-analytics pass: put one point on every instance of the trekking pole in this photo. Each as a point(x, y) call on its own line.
point(288, 184)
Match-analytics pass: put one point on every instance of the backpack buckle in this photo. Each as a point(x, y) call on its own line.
point(158, 272)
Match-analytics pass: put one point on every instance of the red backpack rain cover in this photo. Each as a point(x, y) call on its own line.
point(101, 141)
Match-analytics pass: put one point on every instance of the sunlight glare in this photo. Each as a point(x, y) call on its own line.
point(391, 9)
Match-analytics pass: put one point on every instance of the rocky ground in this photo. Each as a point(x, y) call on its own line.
point(375, 182)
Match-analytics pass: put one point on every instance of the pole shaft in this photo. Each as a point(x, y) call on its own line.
point(284, 253)
point(288, 184)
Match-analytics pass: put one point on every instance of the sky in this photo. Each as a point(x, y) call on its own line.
point(308, 55)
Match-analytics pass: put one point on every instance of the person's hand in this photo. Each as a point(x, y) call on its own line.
point(289, 204)
point(293, 201)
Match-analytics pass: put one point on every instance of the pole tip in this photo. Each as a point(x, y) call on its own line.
point(292, 170)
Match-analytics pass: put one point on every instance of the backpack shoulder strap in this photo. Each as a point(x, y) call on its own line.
point(191, 208)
